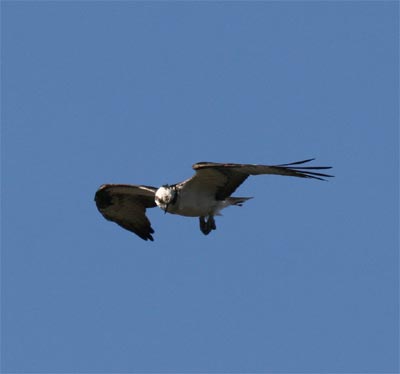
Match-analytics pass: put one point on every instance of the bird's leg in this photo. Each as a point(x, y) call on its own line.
point(211, 223)
point(203, 226)
point(207, 226)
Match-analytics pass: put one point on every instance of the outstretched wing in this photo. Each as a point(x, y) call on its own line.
point(224, 179)
point(126, 205)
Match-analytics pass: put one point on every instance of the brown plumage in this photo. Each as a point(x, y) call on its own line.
point(203, 195)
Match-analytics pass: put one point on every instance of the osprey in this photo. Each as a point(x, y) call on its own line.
point(203, 195)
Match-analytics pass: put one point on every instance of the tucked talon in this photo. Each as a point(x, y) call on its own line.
point(211, 223)
point(207, 226)
point(203, 226)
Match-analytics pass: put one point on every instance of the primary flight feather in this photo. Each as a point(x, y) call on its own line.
point(203, 195)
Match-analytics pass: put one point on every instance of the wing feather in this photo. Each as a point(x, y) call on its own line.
point(228, 176)
point(126, 205)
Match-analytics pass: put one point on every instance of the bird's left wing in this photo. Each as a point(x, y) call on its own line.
point(225, 178)
point(126, 205)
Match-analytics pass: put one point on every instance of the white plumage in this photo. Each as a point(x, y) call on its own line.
point(204, 195)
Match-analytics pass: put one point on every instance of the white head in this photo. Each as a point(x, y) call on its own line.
point(165, 195)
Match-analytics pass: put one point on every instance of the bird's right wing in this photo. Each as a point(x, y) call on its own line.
point(126, 205)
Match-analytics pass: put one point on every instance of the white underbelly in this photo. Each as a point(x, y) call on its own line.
point(196, 206)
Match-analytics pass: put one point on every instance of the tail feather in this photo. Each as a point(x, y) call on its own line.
point(238, 201)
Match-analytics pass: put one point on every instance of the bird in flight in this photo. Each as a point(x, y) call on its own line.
point(203, 195)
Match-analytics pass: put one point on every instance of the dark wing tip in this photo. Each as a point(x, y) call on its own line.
point(142, 232)
point(145, 237)
point(298, 162)
point(307, 171)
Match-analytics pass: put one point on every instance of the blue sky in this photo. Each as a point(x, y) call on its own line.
point(303, 278)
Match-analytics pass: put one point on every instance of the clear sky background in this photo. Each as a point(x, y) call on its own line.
point(303, 278)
